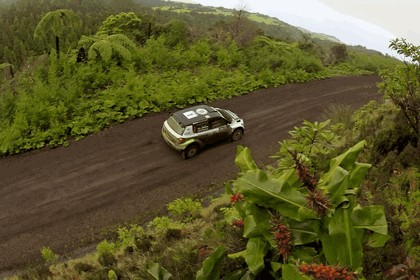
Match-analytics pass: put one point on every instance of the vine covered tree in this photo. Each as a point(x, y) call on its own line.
point(57, 25)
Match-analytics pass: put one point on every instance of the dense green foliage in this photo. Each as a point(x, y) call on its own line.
point(131, 63)
point(296, 217)
point(19, 18)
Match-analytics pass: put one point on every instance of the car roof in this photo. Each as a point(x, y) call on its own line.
point(195, 114)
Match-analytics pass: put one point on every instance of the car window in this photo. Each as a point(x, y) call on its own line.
point(176, 126)
point(225, 114)
point(200, 127)
point(215, 123)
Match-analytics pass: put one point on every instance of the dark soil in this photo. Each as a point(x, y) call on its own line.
point(70, 197)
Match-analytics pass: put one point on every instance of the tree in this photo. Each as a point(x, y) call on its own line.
point(340, 52)
point(107, 47)
point(243, 30)
point(56, 25)
point(402, 85)
point(123, 23)
point(175, 33)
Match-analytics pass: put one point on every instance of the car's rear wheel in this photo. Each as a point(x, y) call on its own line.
point(190, 151)
point(237, 134)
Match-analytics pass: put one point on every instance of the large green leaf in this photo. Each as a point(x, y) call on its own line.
point(291, 272)
point(334, 182)
point(236, 255)
point(236, 275)
point(256, 248)
point(357, 174)
point(250, 227)
point(211, 265)
point(348, 159)
point(158, 272)
point(303, 232)
point(377, 240)
point(343, 243)
point(267, 192)
point(305, 254)
point(344, 174)
point(372, 218)
point(257, 222)
point(244, 159)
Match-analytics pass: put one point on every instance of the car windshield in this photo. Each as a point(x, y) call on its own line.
point(226, 115)
point(176, 126)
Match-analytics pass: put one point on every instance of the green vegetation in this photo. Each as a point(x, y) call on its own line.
point(132, 65)
point(318, 211)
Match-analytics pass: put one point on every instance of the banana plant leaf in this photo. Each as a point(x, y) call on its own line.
point(256, 249)
point(273, 193)
point(257, 222)
point(303, 232)
point(344, 174)
point(306, 254)
point(211, 265)
point(348, 159)
point(244, 159)
point(372, 218)
point(158, 272)
point(236, 275)
point(342, 244)
point(334, 182)
point(291, 272)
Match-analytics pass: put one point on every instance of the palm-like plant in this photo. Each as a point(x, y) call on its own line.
point(56, 24)
point(106, 47)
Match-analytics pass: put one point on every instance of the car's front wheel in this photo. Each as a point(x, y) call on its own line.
point(190, 151)
point(237, 134)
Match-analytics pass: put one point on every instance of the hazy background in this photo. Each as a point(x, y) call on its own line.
point(370, 23)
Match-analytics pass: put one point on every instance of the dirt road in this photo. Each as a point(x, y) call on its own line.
point(68, 197)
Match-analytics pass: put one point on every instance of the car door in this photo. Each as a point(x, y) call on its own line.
point(203, 132)
point(219, 129)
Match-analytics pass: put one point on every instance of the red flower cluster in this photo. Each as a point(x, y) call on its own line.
point(283, 239)
point(238, 223)
point(319, 202)
point(303, 172)
point(204, 251)
point(236, 198)
point(326, 272)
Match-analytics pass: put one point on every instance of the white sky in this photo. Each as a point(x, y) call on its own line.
point(370, 23)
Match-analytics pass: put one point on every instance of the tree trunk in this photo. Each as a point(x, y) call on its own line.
point(57, 46)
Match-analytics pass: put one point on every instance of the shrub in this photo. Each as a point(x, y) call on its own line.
point(105, 247)
point(49, 256)
point(107, 259)
point(83, 267)
point(160, 224)
point(127, 236)
point(184, 209)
